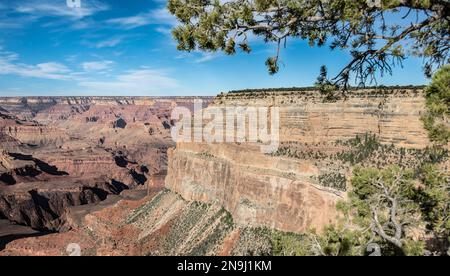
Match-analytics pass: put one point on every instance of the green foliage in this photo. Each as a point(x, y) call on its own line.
point(362, 148)
point(393, 203)
point(254, 242)
point(272, 65)
point(432, 155)
point(338, 241)
point(434, 199)
point(438, 92)
point(375, 44)
point(413, 247)
point(438, 132)
point(262, 241)
point(367, 182)
point(436, 121)
point(333, 180)
point(380, 201)
point(325, 86)
point(383, 89)
point(288, 244)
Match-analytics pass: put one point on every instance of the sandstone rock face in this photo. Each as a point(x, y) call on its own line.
point(394, 115)
point(291, 189)
point(258, 190)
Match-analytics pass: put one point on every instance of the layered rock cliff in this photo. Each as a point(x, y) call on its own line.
point(297, 186)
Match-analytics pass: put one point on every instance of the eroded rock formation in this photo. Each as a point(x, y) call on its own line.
point(296, 187)
point(59, 153)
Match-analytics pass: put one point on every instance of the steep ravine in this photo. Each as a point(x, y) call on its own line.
point(43, 208)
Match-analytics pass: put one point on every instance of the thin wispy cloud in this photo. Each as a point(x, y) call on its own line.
point(10, 25)
point(10, 65)
point(53, 67)
point(164, 30)
point(207, 57)
point(7, 22)
point(142, 81)
point(19, 14)
point(162, 16)
point(97, 65)
point(83, 24)
point(42, 70)
point(156, 16)
point(112, 42)
point(57, 8)
point(135, 82)
point(198, 56)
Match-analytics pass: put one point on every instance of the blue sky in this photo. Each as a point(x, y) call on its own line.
point(118, 47)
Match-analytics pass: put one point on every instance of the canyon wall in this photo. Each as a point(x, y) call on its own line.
point(297, 187)
point(60, 152)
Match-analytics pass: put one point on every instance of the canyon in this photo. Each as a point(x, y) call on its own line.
point(57, 153)
point(104, 172)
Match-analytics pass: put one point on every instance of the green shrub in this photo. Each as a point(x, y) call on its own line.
point(333, 180)
point(362, 148)
point(438, 105)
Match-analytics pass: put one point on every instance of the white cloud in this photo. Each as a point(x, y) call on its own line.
point(207, 56)
point(15, 22)
point(83, 24)
point(97, 65)
point(17, 14)
point(95, 41)
point(7, 55)
point(111, 42)
point(162, 16)
point(58, 8)
point(158, 16)
point(131, 22)
point(25, 70)
point(136, 82)
point(164, 30)
point(53, 67)
point(9, 65)
point(199, 56)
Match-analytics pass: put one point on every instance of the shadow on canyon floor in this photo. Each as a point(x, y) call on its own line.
point(10, 232)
